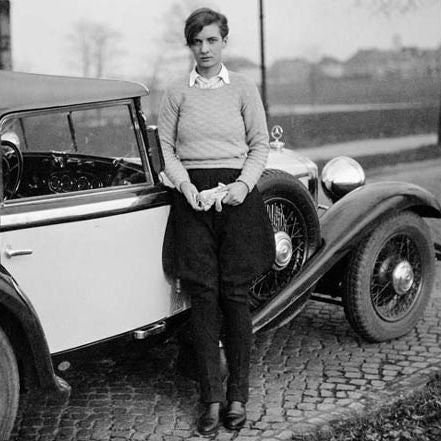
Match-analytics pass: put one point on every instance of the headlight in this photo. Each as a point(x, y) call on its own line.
point(340, 176)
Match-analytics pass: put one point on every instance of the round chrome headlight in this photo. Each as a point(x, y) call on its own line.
point(340, 176)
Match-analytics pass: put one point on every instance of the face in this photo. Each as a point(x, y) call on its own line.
point(207, 50)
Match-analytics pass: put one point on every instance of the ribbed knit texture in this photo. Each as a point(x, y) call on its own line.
point(213, 128)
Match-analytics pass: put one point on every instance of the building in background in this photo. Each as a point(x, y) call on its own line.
point(291, 70)
point(331, 67)
point(405, 62)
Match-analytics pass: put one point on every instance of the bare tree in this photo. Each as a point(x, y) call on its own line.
point(171, 45)
point(389, 7)
point(94, 47)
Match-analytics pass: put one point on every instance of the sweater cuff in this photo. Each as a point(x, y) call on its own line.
point(247, 181)
point(243, 182)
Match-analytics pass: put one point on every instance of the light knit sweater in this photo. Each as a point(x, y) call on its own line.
point(213, 128)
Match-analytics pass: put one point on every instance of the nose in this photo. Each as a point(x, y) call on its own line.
point(204, 47)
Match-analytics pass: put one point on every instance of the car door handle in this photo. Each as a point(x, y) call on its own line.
point(9, 252)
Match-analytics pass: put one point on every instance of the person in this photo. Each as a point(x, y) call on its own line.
point(213, 132)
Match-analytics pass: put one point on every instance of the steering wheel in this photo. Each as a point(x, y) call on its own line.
point(12, 166)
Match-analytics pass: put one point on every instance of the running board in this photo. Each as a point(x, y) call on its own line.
point(326, 299)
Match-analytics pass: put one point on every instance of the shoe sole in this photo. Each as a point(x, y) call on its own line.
point(211, 432)
point(236, 427)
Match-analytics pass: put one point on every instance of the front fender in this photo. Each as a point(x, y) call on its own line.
point(358, 213)
point(20, 320)
point(343, 226)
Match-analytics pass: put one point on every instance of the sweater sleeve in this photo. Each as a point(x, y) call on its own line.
point(167, 127)
point(257, 138)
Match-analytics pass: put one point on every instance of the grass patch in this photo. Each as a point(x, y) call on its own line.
point(312, 130)
point(416, 417)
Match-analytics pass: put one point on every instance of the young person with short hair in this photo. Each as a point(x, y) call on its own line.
point(213, 131)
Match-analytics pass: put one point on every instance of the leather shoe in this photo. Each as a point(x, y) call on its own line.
point(235, 416)
point(209, 421)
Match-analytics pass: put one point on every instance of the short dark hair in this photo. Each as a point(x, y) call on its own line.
point(203, 17)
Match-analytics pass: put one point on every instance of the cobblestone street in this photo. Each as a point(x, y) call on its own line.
point(304, 375)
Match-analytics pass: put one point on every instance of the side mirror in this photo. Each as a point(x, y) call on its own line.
point(154, 150)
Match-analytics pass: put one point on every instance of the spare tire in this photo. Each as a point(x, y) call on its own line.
point(294, 218)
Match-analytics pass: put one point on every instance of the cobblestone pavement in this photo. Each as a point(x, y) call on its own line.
point(304, 376)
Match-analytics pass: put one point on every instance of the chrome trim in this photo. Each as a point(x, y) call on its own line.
point(283, 250)
point(312, 168)
point(403, 277)
point(76, 197)
point(24, 219)
point(153, 329)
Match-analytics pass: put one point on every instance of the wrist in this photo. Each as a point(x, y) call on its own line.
point(183, 184)
point(244, 184)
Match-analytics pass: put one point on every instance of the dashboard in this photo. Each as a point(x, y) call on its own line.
point(50, 173)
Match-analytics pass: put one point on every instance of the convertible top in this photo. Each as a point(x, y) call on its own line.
point(26, 91)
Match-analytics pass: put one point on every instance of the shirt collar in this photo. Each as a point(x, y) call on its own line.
point(223, 75)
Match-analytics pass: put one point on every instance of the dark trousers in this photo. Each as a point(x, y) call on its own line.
point(221, 312)
point(217, 256)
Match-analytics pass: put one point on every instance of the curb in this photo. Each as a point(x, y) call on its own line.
point(369, 403)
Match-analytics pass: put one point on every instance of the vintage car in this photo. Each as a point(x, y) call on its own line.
point(84, 208)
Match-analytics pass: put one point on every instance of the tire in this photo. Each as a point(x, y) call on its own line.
point(389, 278)
point(291, 209)
point(9, 387)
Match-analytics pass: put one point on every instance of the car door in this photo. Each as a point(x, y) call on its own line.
point(82, 235)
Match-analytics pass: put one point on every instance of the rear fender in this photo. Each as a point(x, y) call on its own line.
point(19, 320)
point(343, 226)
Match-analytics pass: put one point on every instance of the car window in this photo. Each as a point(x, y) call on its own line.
point(69, 151)
point(45, 133)
point(105, 132)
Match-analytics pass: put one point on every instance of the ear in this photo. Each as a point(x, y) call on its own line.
point(224, 41)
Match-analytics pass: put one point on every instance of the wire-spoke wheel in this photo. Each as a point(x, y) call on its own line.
point(390, 278)
point(296, 228)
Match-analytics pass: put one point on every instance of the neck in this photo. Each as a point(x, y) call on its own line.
point(209, 72)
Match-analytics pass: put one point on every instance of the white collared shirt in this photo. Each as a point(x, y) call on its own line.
point(214, 82)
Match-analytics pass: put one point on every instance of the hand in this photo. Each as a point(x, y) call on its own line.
point(237, 192)
point(207, 198)
point(191, 193)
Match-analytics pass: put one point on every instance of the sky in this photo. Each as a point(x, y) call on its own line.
point(293, 28)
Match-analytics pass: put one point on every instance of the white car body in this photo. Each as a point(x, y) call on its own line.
point(87, 284)
point(87, 259)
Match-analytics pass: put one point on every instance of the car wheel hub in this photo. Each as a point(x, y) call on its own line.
point(283, 250)
point(402, 277)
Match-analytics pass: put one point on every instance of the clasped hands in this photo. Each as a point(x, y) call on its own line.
point(231, 194)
